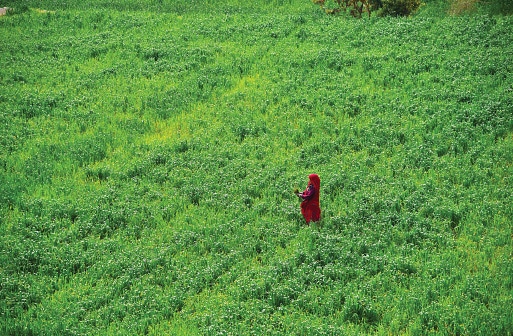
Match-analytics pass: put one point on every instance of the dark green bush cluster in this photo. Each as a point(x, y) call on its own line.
point(358, 7)
point(399, 7)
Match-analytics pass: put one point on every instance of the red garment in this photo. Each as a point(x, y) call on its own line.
point(310, 206)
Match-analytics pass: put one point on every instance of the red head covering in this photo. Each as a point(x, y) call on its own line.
point(316, 181)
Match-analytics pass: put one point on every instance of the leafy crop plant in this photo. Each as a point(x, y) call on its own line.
point(149, 149)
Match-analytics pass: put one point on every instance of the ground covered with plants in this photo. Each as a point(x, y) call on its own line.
point(149, 150)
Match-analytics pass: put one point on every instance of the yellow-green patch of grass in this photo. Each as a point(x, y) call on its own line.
point(458, 7)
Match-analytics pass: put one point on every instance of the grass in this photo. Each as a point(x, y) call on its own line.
point(149, 153)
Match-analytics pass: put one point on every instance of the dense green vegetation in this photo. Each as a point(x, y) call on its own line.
point(148, 153)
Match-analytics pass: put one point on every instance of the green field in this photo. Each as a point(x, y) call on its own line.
point(149, 150)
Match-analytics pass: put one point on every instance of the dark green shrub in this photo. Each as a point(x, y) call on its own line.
point(504, 7)
point(399, 7)
point(358, 7)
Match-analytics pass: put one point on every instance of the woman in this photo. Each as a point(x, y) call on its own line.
point(310, 205)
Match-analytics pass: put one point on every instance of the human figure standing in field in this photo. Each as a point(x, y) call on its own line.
point(310, 205)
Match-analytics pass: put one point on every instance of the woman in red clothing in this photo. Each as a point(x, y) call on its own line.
point(310, 205)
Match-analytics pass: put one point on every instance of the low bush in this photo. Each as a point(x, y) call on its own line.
point(358, 7)
point(399, 7)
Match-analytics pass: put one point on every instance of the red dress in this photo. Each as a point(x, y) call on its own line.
point(310, 206)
